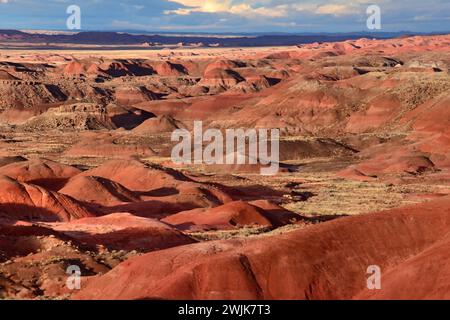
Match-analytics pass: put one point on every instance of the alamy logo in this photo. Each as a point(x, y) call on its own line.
point(239, 146)
point(374, 19)
point(74, 280)
point(74, 20)
point(374, 280)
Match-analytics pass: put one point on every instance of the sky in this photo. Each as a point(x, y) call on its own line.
point(228, 16)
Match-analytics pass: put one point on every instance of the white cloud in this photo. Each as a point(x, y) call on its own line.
point(228, 6)
point(272, 8)
point(338, 9)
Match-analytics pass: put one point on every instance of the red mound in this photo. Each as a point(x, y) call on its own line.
point(295, 106)
point(76, 68)
point(207, 108)
point(425, 149)
point(131, 95)
point(388, 160)
point(224, 65)
point(327, 261)
point(221, 78)
point(159, 187)
point(431, 129)
point(7, 76)
point(45, 173)
point(422, 277)
point(413, 164)
point(98, 190)
point(380, 111)
point(36, 259)
point(160, 124)
point(229, 216)
point(17, 240)
point(429, 116)
point(137, 176)
point(169, 69)
point(114, 68)
point(123, 231)
point(364, 46)
point(21, 201)
point(276, 214)
point(233, 215)
point(120, 68)
point(4, 161)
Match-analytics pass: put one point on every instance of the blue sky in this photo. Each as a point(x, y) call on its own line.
point(228, 15)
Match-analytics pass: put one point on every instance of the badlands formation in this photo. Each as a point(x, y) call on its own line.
point(86, 177)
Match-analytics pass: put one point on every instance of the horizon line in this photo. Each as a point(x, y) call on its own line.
point(280, 33)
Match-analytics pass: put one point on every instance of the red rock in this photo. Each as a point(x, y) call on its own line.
point(162, 190)
point(123, 231)
point(111, 68)
point(45, 173)
point(381, 110)
point(326, 261)
point(120, 68)
point(160, 124)
point(75, 68)
point(224, 65)
point(279, 216)
point(131, 95)
point(224, 78)
point(233, 215)
point(4, 75)
point(98, 191)
point(17, 239)
point(38, 258)
point(169, 69)
point(22, 201)
point(137, 176)
point(229, 216)
point(391, 160)
point(4, 161)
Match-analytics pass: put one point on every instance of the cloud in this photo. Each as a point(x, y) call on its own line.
point(338, 10)
point(207, 6)
point(228, 6)
point(272, 8)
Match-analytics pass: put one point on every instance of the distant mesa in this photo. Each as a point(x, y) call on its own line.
point(88, 116)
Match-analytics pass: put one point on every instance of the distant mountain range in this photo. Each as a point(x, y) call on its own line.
point(136, 38)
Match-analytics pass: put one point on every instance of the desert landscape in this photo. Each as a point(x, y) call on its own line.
point(87, 177)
